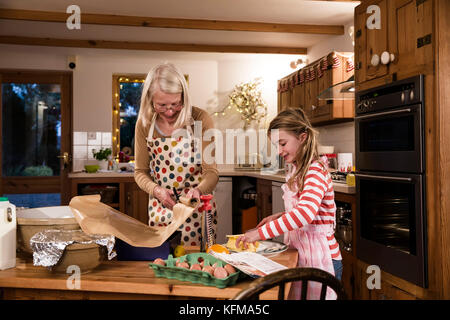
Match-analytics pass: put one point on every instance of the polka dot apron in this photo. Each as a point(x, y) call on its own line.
point(177, 163)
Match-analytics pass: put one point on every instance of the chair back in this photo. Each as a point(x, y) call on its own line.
point(280, 278)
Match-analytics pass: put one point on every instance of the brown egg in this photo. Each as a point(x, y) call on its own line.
point(220, 273)
point(230, 269)
point(183, 265)
point(208, 269)
point(196, 266)
point(159, 261)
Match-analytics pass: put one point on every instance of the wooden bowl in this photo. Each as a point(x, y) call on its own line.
point(32, 221)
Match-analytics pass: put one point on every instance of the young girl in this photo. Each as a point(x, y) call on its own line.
point(309, 220)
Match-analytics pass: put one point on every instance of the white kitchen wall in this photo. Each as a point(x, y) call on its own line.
point(212, 76)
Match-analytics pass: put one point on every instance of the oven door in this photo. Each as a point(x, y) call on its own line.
point(390, 224)
point(390, 141)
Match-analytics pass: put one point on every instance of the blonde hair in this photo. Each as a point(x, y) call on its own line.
point(296, 122)
point(167, 78)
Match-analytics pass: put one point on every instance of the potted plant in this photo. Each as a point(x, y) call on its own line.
point(102, 157)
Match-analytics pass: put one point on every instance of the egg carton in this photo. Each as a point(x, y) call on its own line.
point(171, 271)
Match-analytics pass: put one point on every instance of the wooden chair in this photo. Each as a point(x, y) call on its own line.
point(282, 277)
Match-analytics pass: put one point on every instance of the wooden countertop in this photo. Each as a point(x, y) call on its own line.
point(118, 279)
point(225, 172)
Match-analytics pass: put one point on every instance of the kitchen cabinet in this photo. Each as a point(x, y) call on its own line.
point(223, 195)
point(304, 85)
point(136, 203)
point(386, 290)
point(128, 197)
point(370, 43)
point(264, 198)
point(401, 46)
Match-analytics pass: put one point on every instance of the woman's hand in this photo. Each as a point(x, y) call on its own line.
point(194, 193)
point(164, 196)
point(269, 218)
point(250, 236)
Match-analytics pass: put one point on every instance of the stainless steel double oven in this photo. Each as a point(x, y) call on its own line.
point(390, 179)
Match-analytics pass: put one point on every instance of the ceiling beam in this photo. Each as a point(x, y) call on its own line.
point(134, 21)
point(106, 44)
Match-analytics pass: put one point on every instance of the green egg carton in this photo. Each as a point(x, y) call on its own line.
point(196, 276)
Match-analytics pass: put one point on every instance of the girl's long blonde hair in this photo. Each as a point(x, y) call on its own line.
point(296, 122)
point(167, 78)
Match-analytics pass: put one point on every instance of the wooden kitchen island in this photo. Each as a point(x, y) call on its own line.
point(118, 280)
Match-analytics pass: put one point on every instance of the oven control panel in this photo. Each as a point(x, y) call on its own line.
point(393, 95)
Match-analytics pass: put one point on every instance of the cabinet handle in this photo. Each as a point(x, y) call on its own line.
point(386, 57)
point(375, 61)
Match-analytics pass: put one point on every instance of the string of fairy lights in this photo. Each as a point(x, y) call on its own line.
point(116, 112)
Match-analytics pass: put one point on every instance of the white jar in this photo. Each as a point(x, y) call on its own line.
point(8, 230)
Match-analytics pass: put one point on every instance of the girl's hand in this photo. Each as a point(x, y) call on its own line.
point(194, 193)
point(269, 218)
point(250, 236)
point(164, 196)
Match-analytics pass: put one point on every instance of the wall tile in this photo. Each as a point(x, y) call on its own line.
point(97, 141)
point(106, 139)
point(80, 138)
point(80, 152)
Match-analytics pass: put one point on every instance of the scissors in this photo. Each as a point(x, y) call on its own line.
point(176, 194)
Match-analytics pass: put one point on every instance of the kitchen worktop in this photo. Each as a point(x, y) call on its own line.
point(225, 172)
point(118, 279)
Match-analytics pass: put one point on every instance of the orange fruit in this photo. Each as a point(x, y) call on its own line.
point(218, 248)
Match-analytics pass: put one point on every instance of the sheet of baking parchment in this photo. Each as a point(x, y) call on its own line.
point(95, 217)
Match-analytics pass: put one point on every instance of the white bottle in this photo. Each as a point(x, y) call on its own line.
point(8, 227)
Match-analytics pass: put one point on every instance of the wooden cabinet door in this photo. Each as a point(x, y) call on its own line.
point(298, 94)
point(285, 99)
point(410, 32)
point(323, 110)
point(311, 101)
point(136, 202)
point(369, 42)
point(348, 278)
point(264, 198)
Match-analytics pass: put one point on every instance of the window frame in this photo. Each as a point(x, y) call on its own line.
point(116, 80)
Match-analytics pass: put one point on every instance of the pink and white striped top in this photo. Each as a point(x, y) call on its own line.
point(315, 206)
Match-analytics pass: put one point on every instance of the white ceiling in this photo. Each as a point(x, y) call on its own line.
point(275, 11)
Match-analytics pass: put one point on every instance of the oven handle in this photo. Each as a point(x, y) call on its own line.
point(383, 177)
point(383, 113)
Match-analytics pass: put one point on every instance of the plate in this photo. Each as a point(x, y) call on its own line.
point(269, 247)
